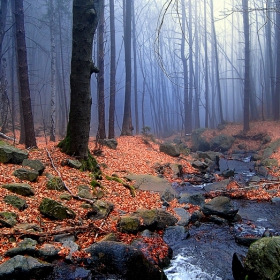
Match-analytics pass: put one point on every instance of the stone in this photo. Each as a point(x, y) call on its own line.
point(110, 143)
point(169, 149)
point(26, 174)
point(19, 188)
point(123, 261)
point(262, 259)
point(25, 247)
point(221, 143)
point(167, 196)
point(199, 142)
point(24, 267)
point(35, 164)
point(65, 196)
point(74, 163)
point(16, 201)
point(221, 206)
point(270, 162)
point(8, 219)
point(55, 183)
point(172, 235)
point(85, 192)
point(184, 216)
point(238, 270)
point(55, 210)
point(194, 199)
point(10, 154)
point(100, 209)
point(129, 224)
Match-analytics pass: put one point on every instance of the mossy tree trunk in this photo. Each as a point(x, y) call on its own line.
point(85, 20)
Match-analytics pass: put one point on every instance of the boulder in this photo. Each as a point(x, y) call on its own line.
point(100, 209)
point(262, 260)
point(26, 174)
point(184, 216)
point(221, 206)
point(55, 183)
point(169, 149)
point(55, 210)
point(19, 188)
point(129, 224)
point(110, 143)
point(199, 142)
point(172, 235)
point(35, 164)
point(194, 199)
point(8, 219)
point(85, 192)
point(16, 201)
point(155, 219)
point(124, 261)
point(10, 154)
point(25, 247)
point(73, 163)
point(24, 267)
point(221, 143)
point(238, 270)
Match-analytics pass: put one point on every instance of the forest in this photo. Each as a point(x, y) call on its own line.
point(139, 139)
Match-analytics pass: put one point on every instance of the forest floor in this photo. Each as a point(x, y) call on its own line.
point(132, 156)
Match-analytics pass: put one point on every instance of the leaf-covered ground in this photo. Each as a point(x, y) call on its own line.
point(132, 155)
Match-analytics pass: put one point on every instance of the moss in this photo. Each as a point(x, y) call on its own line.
point(116, 179)
point(95, 184)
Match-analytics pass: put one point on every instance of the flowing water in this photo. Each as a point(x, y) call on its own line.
point(207, 252)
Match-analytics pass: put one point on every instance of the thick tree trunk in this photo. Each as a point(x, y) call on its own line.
point(30, 140)
point(111, 133)
point(85, 20)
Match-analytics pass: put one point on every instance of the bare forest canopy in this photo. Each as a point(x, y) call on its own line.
point(164, 66)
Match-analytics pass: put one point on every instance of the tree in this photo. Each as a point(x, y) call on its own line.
point(276, 101)
point(85, 21)
point(28, 123)
point(127, 121)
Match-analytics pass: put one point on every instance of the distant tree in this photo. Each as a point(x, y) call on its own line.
point(85, 21)
point(101, 133)
point(276, 99)
point(28, 123)
point(111, 133)
point(127, 120)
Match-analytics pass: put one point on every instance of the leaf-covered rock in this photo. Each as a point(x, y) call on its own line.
point(19, 188)
point(55, 210)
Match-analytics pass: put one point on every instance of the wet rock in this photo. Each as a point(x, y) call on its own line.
point(172, 235)
point(55, 183)
point(238, 270)
point(217, 220)
point(24, 267)
point(214, 156)
point(16, 201)
point(100, 209)
point(55, 210)
point(35, 164)
point(221, 206)
point(25, 247)
point(221, 143)
point(64, 237)
point(217, 186)
point(228, 173)
point(196, 216)
point(169, 149)
point(184, 216)
point(26, 174)
point(155, 219)
point(177, 170)
point(262, 260)
point(48, 252)
point(116, 258)
point(19, 188)
point(167, 196)
point(129, 224)
point(10, 154)
point(195, 199)
point(246, 240)
point(8, 219)
point(201, 165)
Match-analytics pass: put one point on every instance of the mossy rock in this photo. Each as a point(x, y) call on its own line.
point(8, 219)
point(85, 192)
point(19, 188)
point(35, 164)
point(55, 183)
point(26, 174)
point(129, 224)
point(65, 196)
point(100, 209)
point(55, 210)
point(11, 154)
point(15, 201)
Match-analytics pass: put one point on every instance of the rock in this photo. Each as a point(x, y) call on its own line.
point(8, 219)
point(199, 142)
point(124, 261)
point(65, 196)
point(19, 188)
point(26, 174)
point(167, 196)
point(25, 247)
point(55, 210)
point(27, 227)
point(201, 165)
point(196, 216)
point(169, 149)
point(270, 162)
point(85, 192)
point(10, 154)
point(214, 156)
point(217, 186)
point(73, 163)
point(238, 270)
point(217, 220)
point(48, 252)
point(221, 143)
point(55, 183)
point(177, 170)
point(110, 143)
point(155, 219)
point(35, 164)
point(184, 216)
point(177, 140)
point(16, 201)
point(129, 224)
point(109, 237)
point(228, 173)
point(24, 267)
point(100, 209)
point(221, 206)
point(194, 199)
point(172, 235)
point(246, 240)
point(262, 260)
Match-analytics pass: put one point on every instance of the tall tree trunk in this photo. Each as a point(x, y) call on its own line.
point(206, 70)
point(276, 98)
point(101, 132)
point(111, 133)
point(246, 112)
point(53, 72)
point(85, 20)
point(127, 121)
point(30, 140)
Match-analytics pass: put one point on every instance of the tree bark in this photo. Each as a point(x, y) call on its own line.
point(85, 20)
point(30, 140)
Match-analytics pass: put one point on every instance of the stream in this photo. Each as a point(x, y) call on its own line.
point(208, 250)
